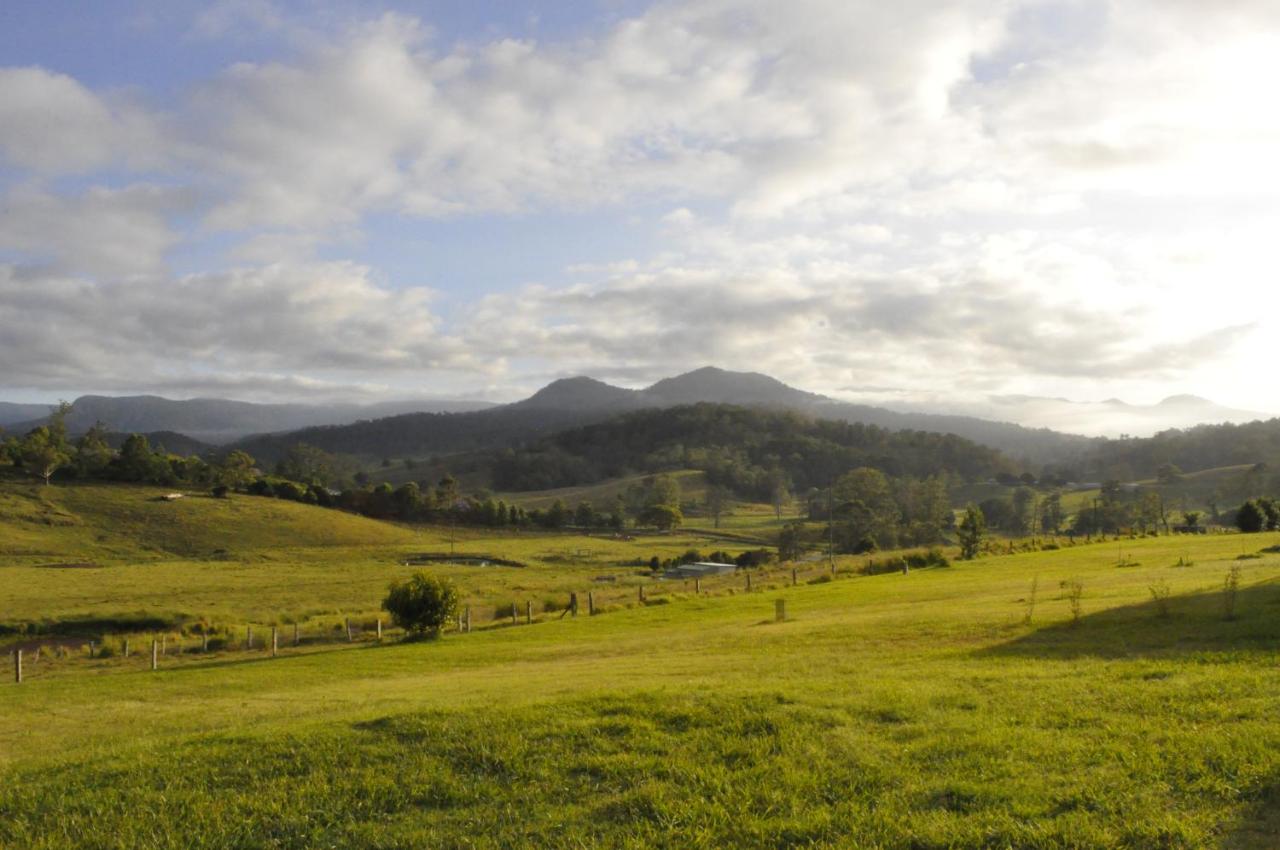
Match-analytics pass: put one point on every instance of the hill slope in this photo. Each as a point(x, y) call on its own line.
point(580, 401)
point(120, 522)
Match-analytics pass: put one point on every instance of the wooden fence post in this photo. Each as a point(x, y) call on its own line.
point(155, 658)
point(642, 593)
point(204, 641)
point(697, 586)
point(591, 603)
point(794, 582)
point(297, 637)
point(126, 647)
point(17, 666)
point(347, 622)
point(514, 609)
point(748, 582)
point(467, 619)
point(275, 641)
point(92, 647)
point(528, 613)
point(833, 567)
point(379, 630)
point(780, 610)
point(573, 604)
point(459, 622)
point(248, 637)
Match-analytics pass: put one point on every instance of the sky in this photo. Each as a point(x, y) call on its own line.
point(919, 204)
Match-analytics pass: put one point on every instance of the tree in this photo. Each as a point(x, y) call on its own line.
point(663, 490)
point(1251, 518)
point(42, 452)
point(664, 517)
point(864, 498)
point(1024, 501)
point(558, 514)
point(307, 464)
point(972, 529)
point(92, 452)
point(717, 502)
point(236, 470)
point(779, 490)
point(791, 541)
point(1191, 518)
point(422, 604)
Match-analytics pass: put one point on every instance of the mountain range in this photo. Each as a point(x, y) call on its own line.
point(427, 428)
point(571, 402)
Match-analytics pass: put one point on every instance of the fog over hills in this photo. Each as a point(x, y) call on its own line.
point(1109, 418)
point(215, 420)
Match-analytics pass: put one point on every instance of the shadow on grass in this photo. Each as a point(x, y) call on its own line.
point(1258, 827)
point(1195, 623)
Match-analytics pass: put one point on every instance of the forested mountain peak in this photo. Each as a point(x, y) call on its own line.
point(720, 386)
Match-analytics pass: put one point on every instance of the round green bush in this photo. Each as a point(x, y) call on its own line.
point(422, 604)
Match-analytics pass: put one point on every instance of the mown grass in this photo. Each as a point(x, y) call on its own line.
point(917, 710)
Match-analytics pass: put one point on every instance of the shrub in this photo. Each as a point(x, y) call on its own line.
point(220, 491)
point(754, 558)
point(422, 604)
point(217, 644)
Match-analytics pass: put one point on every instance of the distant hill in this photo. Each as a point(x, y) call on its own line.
point(749, 449)
point(11, 413)
point(571, 402)
point(171, 441)
point(216, 420)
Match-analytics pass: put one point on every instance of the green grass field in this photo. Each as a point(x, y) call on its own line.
point(894, 711)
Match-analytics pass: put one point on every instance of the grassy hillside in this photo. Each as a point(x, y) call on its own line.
point(918, 710)
point(120, 553)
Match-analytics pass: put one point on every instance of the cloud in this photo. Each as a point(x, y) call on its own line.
point(60, 330)
point(1022, 196)
point(104, 232)
point(51, 124)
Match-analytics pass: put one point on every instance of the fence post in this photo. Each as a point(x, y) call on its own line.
point(780, 610)
point(833, 567)
point(794, 582)
point(297, 638)
point(126, 647)
point(347, 622)
point(248, 637)
point(528, 613)
point(467, 619)
point(459, 622)
point(275, 641)
point(642, 593)
point(17, 666)
point(697, 586)
point(591, 603)
point(379, 630)
point(204, 641)
point(92, 647)
point(748, 582)
point(573, 604)
point(155, 658)
point(514, 609)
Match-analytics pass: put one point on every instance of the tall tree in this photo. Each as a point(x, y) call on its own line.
point(971, 530)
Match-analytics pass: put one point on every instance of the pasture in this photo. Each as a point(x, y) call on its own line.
point(937, 709)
